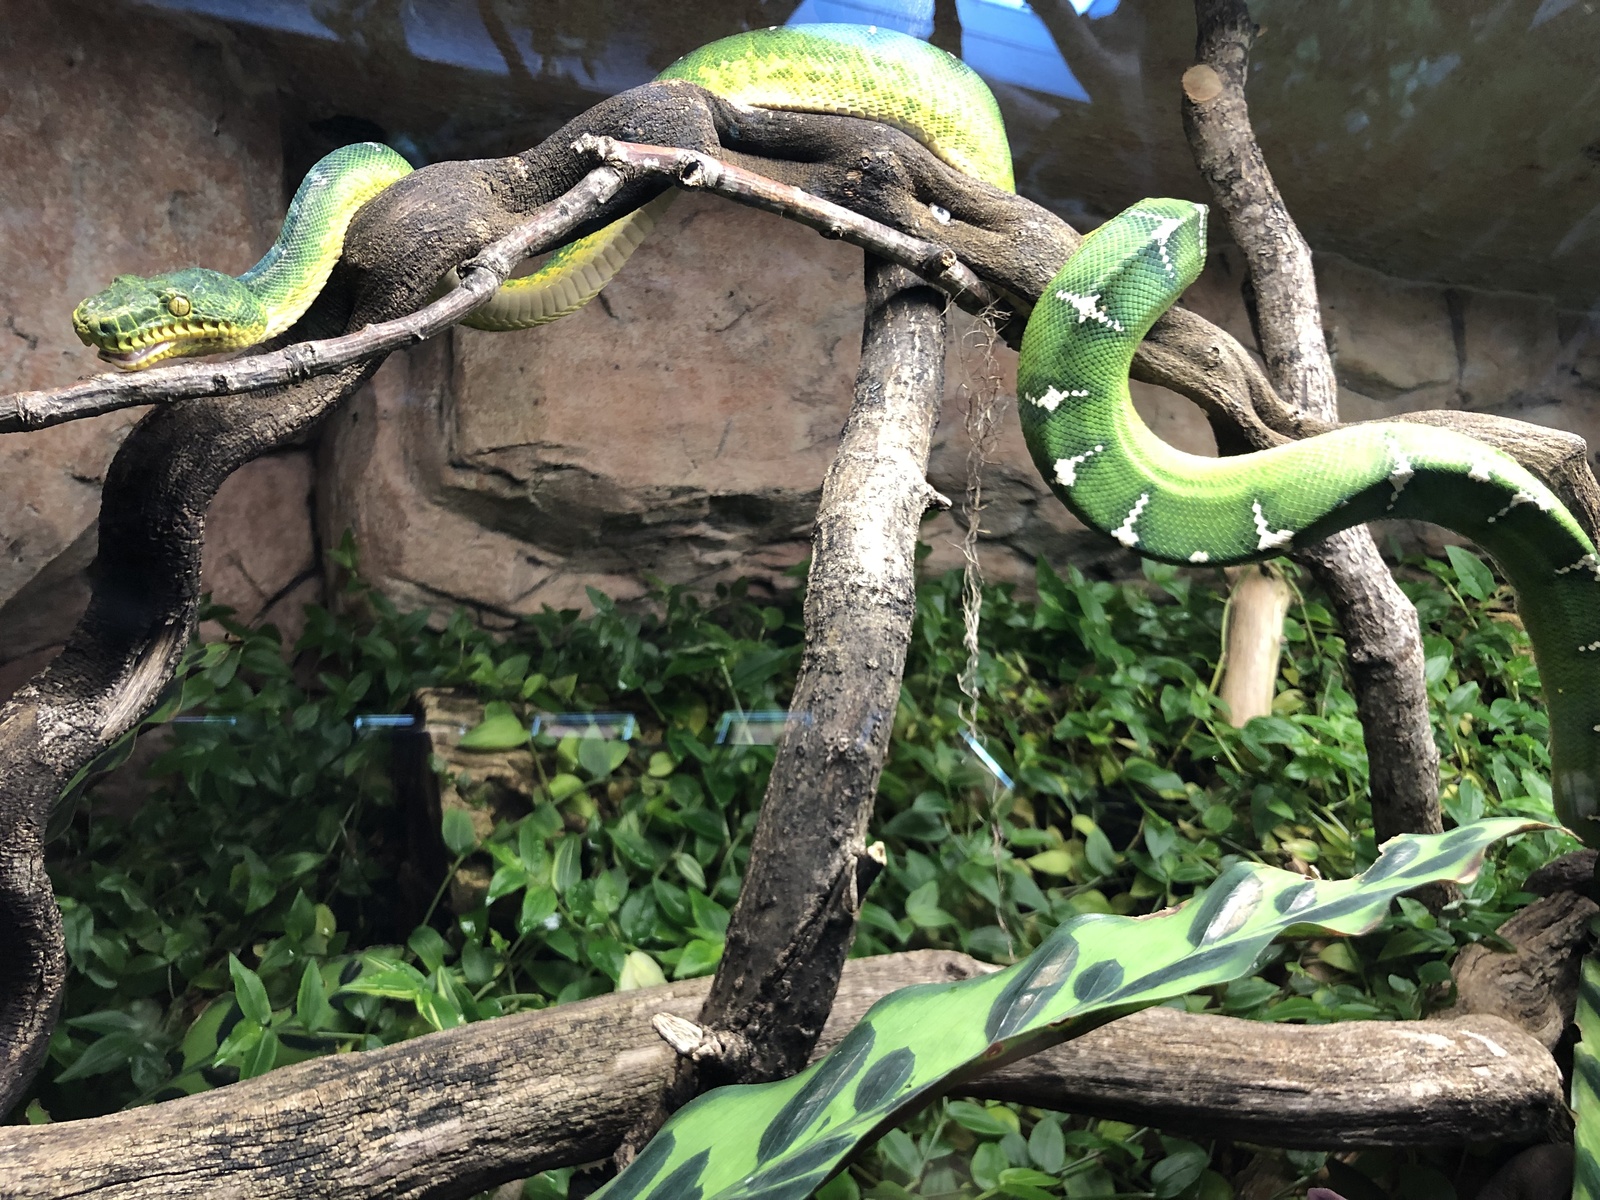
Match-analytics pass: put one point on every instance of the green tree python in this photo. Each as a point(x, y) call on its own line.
point(1101, 460)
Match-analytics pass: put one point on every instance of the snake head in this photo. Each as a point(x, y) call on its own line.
point(138, 322)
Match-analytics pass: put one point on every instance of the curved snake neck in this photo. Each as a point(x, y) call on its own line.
point(1106, 465)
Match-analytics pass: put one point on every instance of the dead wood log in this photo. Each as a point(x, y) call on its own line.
point(1535, 986)
point(455, 1113)
point(1257, 605)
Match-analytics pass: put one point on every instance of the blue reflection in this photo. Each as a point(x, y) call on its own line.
point(904, 16)
point(450, 32)
point(1006, 42)
point(292, 16)
point(385, 721)
point(764, 727)
point(987, 759)
point(1002, 40)
point(606, 726)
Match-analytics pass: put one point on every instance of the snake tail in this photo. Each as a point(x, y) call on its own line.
point(1106, 465)
point(1586, 1085)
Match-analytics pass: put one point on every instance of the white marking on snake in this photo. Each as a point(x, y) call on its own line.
point(1480, 472)
point(1124, 533)
point(1163, 231)
point(1053, 398)
point(1588, 563)
point(1400, 472)
point(1067, 468)
point(1590, 646)
point(1266, 538)
point(1088, 309)
point(1544, 503)
point(1199, 556)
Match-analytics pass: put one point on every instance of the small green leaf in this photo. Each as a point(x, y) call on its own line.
point(978, 1119)
point(988, 1160)
point(567, 867)
point(1341, 957)
point(1046, 1146)
point(564, 785)
point(427, 944)
point(1182, 1166)
point(1474, 578)
point(1053, 862)
point(639, 970)
point(456, 829)
point(261, 1057)
point(311, 1000)
point(249, 991)
point(1097, 850)
point(700, 957)
point(538, 906)
point(500, 729)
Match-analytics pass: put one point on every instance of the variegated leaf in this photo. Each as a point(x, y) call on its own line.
point(780, 1141)
point(1586, 1086)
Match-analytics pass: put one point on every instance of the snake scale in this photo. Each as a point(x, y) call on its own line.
point(1084, 435)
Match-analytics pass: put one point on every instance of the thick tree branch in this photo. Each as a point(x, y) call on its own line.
point(809, 864)
point(453, 1113)
point(1380, 625)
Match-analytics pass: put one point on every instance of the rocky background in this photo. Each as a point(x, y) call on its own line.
point(1445, 167)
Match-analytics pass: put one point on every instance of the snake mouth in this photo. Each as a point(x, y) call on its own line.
point(140, 356)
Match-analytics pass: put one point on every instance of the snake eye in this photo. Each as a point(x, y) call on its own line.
point(178, 306)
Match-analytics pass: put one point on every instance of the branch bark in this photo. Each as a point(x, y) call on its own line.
point(1382, 636)
point(809, 863)
point(454, 1113)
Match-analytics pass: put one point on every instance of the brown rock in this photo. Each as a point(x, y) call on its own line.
point(1388, 337)
point(119, 154)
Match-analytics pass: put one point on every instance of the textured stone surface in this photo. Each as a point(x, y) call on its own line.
point(116, 154)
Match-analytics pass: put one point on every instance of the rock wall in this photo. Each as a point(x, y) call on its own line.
point(122, 155)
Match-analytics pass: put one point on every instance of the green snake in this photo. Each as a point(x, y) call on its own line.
point(851, 70)
point(1081, 428)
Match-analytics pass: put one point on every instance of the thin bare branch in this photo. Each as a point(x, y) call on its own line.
point(935, 263)
point(481, 276)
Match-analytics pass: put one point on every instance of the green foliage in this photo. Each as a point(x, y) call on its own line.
point(273, 838)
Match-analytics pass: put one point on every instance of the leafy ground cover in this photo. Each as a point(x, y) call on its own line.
point(253, 910)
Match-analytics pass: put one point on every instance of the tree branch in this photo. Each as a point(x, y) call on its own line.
point(809, 865)
point(1380, 626)
point(454, 1113)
